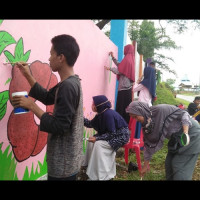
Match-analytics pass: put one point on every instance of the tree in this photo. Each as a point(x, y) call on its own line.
point(180, 26)
point(150, 40)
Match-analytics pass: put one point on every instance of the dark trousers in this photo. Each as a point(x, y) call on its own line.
point(124, 98)
point(70, 178)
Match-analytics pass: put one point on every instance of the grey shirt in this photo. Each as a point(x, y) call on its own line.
point(167, 132)
point(124, 82)
point(65, 126)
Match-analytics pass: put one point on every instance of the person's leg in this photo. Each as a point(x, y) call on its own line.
point(102, 164)
point(183, 166)
point(124, 98)
point(168, 167)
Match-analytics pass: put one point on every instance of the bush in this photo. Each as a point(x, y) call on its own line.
point(164, 95)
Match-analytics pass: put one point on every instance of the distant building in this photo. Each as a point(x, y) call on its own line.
point(185, 83)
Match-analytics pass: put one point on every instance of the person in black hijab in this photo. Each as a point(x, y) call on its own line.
point(112, 133)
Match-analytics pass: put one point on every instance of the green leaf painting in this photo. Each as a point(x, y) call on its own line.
point(35, 175)
point(8, 81)
point(7, 165)
point(19, 53)
point(4, 96)
point(9, 56)
point(5, 40)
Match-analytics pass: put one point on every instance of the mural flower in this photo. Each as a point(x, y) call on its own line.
point(23, 133)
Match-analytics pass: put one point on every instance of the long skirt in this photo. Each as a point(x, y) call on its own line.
point(181, 165)
point(124, 98)
point(100, 159)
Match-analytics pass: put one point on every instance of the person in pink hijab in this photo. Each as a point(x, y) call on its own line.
point(125, 72)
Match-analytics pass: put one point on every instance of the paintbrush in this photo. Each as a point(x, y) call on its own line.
point(14, 63)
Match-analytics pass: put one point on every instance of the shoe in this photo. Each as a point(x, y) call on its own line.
point(132, 167)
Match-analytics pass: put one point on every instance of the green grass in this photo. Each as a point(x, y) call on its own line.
point(157, 166)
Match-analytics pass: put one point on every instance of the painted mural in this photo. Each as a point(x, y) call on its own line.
point(22, 144)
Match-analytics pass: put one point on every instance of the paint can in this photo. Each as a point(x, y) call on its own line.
point(20, 110)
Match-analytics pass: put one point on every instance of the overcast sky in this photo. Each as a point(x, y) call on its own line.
point(186, 59)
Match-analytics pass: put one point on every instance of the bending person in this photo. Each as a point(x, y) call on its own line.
point(157, 125)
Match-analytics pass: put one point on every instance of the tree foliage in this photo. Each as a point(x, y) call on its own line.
point(150, 40)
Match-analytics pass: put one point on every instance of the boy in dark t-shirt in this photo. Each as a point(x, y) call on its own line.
point(195, 107)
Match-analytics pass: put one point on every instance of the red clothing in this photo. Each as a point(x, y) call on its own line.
point(127, 65)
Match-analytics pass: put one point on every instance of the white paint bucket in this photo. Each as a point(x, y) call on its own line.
point(20, 110)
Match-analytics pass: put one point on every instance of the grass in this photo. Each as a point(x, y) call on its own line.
point(157, 166)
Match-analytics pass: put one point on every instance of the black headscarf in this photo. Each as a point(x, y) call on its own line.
point(106, 119)
point(149, 80)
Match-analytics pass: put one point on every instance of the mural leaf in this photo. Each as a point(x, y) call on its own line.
point(26, 56)
point(4, 96)
point(5, 40)
point(19, 50)
point(8, 81)
point(19, 53)
point(9, 56)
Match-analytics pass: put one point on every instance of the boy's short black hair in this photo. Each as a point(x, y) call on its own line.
point(197, 98)
point(66, 45)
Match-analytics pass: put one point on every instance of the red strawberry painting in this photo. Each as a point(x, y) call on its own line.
point(23, 133)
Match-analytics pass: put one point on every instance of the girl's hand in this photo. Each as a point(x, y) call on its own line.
point(111, 54)
point(107, 68)
point(92, 139)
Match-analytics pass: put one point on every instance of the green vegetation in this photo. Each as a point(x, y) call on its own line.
point(164, 95)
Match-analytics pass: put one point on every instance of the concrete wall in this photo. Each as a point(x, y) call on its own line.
point(22, 145)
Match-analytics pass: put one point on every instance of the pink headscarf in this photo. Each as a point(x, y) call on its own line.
point(127, 65)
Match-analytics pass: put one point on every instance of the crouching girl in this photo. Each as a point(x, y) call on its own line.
point(112, 133)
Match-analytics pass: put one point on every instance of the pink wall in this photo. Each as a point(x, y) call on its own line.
point(36, 34)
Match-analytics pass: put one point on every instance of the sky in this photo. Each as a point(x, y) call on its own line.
point(186, 60)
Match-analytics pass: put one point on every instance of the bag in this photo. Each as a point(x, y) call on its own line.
point(175, 143)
